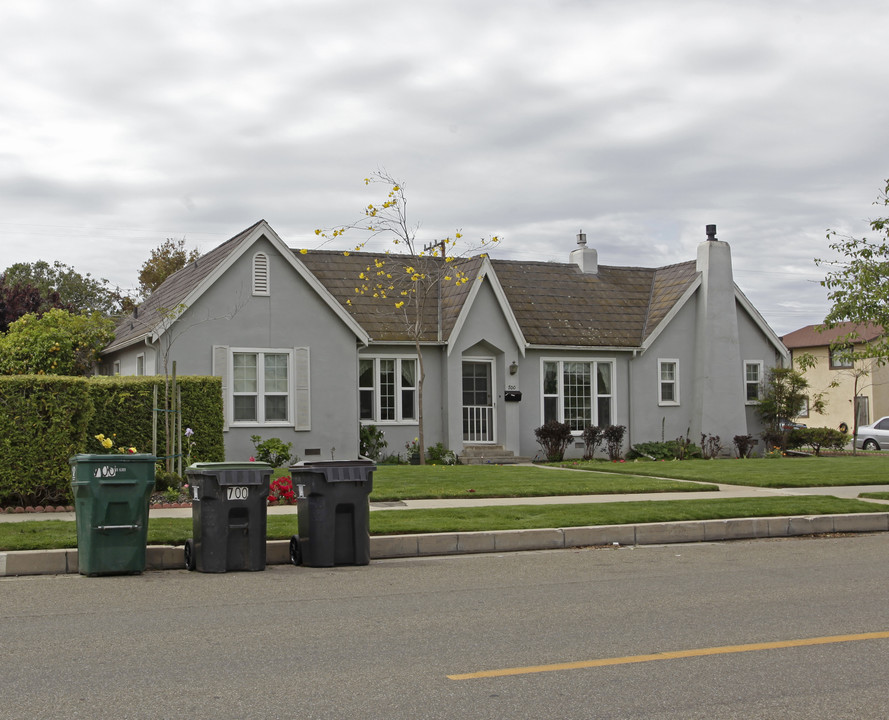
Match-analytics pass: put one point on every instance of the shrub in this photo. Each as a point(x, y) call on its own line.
point(614, 438)
point(281, 491)
point(819, 438)
point(554, 438)
point(743, 445)
point(43, 421)
point(711, 446)
point(592, 438)
point(371, 441)
point(438, 454)
point(273, 451)
point(679, 449)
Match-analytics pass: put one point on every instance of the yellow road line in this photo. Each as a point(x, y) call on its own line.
point(676, 654)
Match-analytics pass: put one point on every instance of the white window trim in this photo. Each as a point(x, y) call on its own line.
point(561, 390)
point(660, 382)
point(399, 413)
point(299, 401)
point(746, 382)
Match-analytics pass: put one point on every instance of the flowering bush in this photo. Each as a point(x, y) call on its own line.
point(413, 447)
point(281, 491)
point(107, 443)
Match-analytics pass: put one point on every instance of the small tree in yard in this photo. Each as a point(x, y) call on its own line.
point(858, 289)
point(57, 343)
point(554, 438)
point(614, 438)
point(410, 279)
point(784, 394)
point(592, 438)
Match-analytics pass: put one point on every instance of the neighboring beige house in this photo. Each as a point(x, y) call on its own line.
point(831, 366)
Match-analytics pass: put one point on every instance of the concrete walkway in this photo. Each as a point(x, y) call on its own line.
point(725, 492)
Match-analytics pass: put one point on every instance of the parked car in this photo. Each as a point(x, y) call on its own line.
point(789, 425)
point(874, 436)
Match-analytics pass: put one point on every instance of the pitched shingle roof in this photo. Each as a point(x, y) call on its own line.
point(172, 292)
point(554, 304)
point(809, 336)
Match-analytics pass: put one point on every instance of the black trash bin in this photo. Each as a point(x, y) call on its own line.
point(229, 516)
point(333, 513)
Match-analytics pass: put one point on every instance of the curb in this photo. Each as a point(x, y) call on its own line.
point(168, 557)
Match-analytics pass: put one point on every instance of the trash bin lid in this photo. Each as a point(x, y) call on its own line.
point(333, 463)
point(116, 457)
point(213, 467)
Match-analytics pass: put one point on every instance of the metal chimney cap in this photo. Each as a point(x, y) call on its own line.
point(581, 238)
point(711, 232)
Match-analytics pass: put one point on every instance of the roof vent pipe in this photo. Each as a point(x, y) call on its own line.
point(711, 232)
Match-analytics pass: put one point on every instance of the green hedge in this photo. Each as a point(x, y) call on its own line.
point(46, 419)
point(43, 420)
point(123, 411)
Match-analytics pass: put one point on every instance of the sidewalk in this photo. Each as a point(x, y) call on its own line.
point(725, 492)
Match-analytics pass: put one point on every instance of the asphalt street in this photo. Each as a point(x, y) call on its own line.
point(388, 639)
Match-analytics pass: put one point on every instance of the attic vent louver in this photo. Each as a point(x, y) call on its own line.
point(260, 274)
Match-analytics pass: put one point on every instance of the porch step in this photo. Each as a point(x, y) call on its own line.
point(489, 455)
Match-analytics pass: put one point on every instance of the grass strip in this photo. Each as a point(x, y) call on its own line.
point(403, 482)
point(782, 472)
point(521, 517)
point(875, 495)
point(49, 534)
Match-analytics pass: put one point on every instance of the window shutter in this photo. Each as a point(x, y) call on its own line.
point(302, 416)
point(260, 274)
point(220, 369)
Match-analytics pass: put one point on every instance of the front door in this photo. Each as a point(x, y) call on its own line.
point(478, 402)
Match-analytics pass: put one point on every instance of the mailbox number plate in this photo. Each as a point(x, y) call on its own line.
point(237, 492)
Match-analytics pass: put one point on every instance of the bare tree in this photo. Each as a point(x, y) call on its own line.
point(411, 277)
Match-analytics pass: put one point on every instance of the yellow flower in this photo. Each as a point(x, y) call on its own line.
point(399, 305)
point(346, 253)
point(107, 443)
point(303, 251)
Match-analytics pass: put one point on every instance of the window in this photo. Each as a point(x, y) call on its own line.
point(115, 368)
point(668, 373)
point(140, 364)
point(839, 357)
point(264, 386)
point(260, 274)
point(578, 393)
point(752, 380)
point(387, 389)
point(804, 412)
point(260, 387)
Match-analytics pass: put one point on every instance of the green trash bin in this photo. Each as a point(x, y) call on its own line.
point(111, 494)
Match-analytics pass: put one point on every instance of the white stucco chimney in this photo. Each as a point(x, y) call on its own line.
point(585, 258)
point(719, 386)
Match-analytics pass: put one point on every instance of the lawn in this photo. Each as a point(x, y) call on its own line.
point(403, 482)
point(46, 534)
point(785, 472)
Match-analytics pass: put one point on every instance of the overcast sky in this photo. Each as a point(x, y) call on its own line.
point(123, 124)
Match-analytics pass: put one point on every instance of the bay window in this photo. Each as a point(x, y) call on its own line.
point(578, 393)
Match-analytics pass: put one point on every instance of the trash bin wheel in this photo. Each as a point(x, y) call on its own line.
point(189, 554)
point(296, 555)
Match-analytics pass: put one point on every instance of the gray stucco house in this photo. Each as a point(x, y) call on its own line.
point(663, 351)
